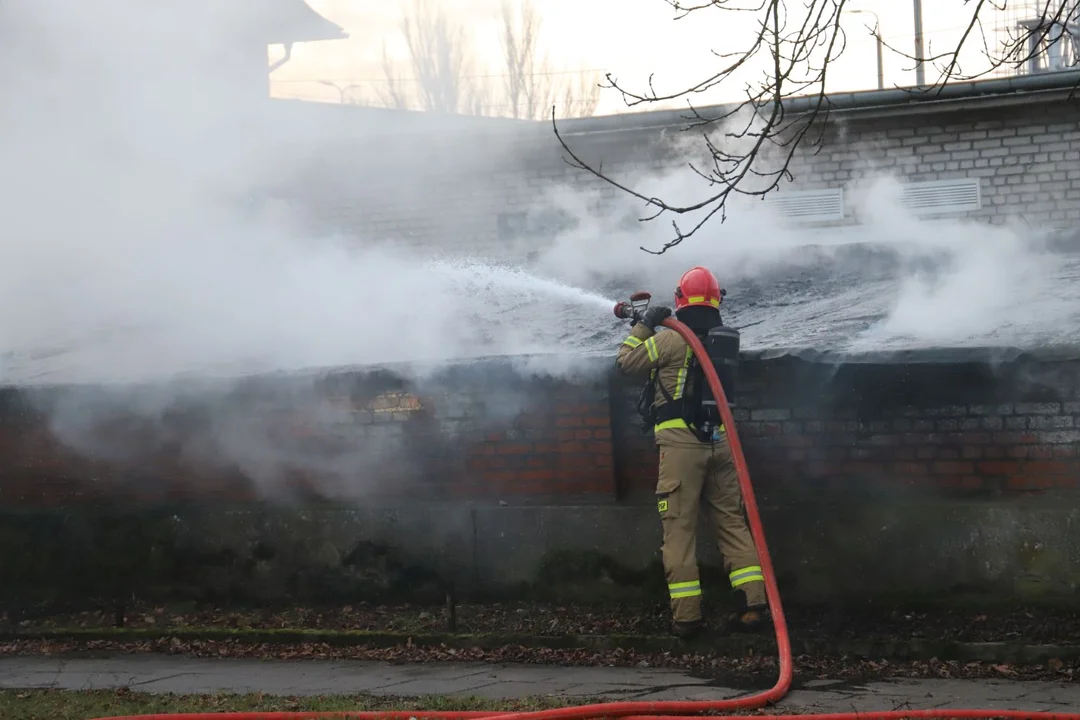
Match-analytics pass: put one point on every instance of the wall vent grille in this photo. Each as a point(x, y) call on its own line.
point(942, 197)
point(808, 205)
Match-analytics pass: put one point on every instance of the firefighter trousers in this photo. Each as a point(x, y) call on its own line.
point(692, 476)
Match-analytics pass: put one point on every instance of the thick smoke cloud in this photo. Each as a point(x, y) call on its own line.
point(894, 281)
point(136, 243)
point(139, 252)
point(136, 246)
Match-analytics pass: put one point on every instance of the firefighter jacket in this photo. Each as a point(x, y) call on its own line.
point(665, 357)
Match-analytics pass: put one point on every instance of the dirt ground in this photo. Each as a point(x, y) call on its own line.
point(1030, 625)
point(752, 671)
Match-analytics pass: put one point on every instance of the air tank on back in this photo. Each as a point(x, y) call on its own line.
point(722, 345)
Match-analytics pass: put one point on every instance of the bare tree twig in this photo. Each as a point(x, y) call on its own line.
point(1056, 26)
point(440, 53)
point(530, 86)
point(751, 144)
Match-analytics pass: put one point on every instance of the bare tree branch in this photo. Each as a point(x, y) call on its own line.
point(447, 77)
point(1053, 32)
point(531, 86)
point(580, 95)
point(393, 95)
point(440, 61)
point(751, 143)
point(526, 89)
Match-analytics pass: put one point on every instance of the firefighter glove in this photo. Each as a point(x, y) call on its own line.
point(655, 315)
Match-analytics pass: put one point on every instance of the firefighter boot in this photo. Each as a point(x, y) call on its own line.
point(686, 630)
point(751, 620)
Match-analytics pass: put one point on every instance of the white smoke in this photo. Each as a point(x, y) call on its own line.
point(132, 250)
point(893, 281)
point(979, 284)
point(134, 245)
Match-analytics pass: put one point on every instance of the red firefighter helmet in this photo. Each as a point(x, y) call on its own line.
point(698, 286)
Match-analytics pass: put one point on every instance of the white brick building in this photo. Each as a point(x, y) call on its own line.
point(987, 150)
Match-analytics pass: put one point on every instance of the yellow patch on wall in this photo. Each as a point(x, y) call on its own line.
point(391, 402)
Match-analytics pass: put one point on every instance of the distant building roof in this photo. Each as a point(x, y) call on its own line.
point(341, 121)
point(1041, 87)
point(293, 21)
point(368, 121)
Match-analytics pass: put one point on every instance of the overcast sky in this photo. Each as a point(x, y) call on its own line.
point(628, 38)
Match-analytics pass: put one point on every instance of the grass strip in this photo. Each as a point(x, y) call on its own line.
point(83, 704)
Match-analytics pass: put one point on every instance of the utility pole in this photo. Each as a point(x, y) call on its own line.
point(880, 67)
point(879, 42)
point(920, 72)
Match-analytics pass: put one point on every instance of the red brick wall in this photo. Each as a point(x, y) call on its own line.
point(953, 447)
point(491, 435)
point(969, 428)
point(563, 450)
point(948, 429)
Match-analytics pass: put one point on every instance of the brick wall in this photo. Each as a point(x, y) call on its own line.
point(469, 192)
point(956, 447)
point(1027, 156)
point(876, 480)
point(485, 433)
point(478, 433)
point(957, 429)
point(485, 192)
point(562, 451)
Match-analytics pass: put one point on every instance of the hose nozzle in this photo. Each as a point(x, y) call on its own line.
point(635, 309)
point(639, 303)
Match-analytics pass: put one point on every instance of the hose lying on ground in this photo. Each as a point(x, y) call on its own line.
point(665, 709)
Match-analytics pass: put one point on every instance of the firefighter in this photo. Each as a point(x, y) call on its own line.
point(694, 472)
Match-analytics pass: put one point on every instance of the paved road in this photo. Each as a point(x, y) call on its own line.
point(166, 674)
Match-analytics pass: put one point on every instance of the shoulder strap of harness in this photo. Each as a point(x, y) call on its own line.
point(681, 408)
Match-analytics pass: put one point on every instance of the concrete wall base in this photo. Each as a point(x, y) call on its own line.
point(934, 553)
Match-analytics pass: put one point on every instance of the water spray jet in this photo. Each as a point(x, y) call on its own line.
point(669, 710)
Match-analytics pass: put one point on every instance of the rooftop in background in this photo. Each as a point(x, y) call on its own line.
point(344, 121)
point(364, 120)
point(293, 21)
point(1043, 87)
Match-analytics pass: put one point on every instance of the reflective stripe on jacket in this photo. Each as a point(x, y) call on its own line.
point(665, 357)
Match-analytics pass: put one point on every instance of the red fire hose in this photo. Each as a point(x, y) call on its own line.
point(675, 709)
